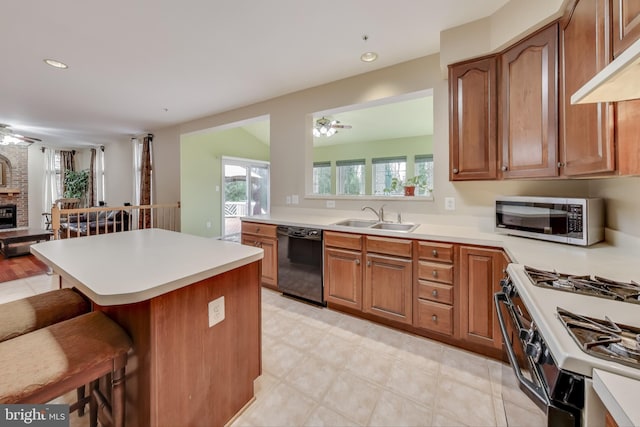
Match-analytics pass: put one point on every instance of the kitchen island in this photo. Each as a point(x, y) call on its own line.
point(188, 367)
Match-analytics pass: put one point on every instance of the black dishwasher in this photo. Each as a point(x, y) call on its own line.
point(300, 263)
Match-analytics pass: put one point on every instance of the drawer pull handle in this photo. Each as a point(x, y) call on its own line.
point(357, 262)
point(368, 263)
point(258, 230)
point(434, 318)
point(504, 168)
point(434, 253)
point(435, 273)
point(455, 170)
point(434, 293)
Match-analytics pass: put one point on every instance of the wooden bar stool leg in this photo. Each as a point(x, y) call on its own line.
point(80, 392)
point(93, 403)
point(118, 393)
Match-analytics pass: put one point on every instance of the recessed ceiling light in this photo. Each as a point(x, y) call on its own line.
point(56, 64)
point(369, 56)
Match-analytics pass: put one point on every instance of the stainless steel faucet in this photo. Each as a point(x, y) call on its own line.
point(379, 213)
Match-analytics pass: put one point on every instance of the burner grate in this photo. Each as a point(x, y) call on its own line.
point(603, 338)
point(587, 285)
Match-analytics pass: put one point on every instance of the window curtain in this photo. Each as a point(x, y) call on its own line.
point(92, 178)
point(66, 163)
point(50, 188)
point(145, 183)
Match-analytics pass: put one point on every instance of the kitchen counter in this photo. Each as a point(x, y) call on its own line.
point(619, 395)
point(124, 268)
point(161, 287)
point(618, 262)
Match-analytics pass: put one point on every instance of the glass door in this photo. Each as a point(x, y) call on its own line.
point(246, 192)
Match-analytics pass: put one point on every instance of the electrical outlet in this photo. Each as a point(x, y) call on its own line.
point(216, 311)
point(208, 224)
point(294, 199)
point(288, 200)
point(217, 188)
point(331, 203)
point(449, 203)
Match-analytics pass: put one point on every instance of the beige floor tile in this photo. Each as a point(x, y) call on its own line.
point(420, 352)
point(458, 401)
point(264, 383)
point(277, 325)
point(394, 410)
point(440, 420)
point(498, 410)
point(14, 290)
point(303, 336)
point(374, 367)
point(467, 368)
point(282, 406)
point(334, 350)
point(280, 359)
point(409, 380)
point(325, 417)
point(521, 417)
point(380, 339)
point(352, 397)
point(312, 376)
point(43, 282)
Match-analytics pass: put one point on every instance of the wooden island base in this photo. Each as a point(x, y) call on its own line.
point(183, 372)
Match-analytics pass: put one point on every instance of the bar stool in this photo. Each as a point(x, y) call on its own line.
point(44, 364)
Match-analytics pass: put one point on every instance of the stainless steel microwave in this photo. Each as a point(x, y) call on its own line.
point(574, 221)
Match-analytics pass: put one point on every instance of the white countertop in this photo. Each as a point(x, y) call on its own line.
point(133, 266)
point(619, 395)
point(616, 262)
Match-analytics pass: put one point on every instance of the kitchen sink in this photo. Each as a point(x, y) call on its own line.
point(373, 224)
point(357, 223)
point(393, 226)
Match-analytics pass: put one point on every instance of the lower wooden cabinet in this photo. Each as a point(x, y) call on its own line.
point(264, 236)
point(343, 277)
point(387, 287)
point(480, 272)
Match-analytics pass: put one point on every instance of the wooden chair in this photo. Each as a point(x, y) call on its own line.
point(39, 366)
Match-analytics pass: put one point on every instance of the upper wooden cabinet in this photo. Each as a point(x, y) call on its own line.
point(587, 137)
point(626, 24)
point(528, 109)
point(472, 120)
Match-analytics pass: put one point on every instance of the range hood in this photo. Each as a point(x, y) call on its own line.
point(618, 81)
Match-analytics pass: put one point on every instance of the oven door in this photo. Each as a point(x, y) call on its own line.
point(527, 372)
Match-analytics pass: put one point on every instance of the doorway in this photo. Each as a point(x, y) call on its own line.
point(246, 193)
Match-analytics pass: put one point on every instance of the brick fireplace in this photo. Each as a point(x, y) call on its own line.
point(14, 186)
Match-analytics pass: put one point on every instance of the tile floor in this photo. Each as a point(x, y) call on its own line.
point(325, 368)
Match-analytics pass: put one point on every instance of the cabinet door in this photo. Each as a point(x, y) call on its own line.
point(628, 137)
point(269, 260)
point(626, 24)
point(472, 120)
point(528, 130)
point(587, 137)
point(480, 272)
point(343, 277)
point(387, 288)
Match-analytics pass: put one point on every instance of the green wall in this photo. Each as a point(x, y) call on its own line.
point(200, 173)
point(372, 149)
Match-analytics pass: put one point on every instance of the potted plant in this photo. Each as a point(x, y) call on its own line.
point(76, 184)
point(409, 184)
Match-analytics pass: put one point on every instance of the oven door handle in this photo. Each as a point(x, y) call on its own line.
point(531, 388)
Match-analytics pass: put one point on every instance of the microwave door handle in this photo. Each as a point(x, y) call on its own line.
point(530, 387)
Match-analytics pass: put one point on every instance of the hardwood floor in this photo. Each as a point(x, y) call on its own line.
point(20, 267)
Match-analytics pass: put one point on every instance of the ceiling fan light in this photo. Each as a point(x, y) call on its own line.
point(316, 132)
point(331, 132)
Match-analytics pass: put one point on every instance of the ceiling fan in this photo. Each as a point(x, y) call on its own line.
point(327, 127)
point(8, 136)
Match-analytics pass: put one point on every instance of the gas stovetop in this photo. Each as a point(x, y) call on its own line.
point(586, 285)
point(604, 338)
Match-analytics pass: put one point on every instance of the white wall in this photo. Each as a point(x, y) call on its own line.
point(118, 175)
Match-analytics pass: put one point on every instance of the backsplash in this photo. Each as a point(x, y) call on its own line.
point(15, 160)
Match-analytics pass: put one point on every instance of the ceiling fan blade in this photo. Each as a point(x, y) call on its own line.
point(341, 126)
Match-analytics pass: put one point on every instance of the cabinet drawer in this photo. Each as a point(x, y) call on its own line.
point(434, 316)
point(343, 240)
point(435, 272)
point(266, 230)
point(388, 246)
point(435, 292)
point(439, 252)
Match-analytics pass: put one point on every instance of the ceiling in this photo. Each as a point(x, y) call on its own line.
point(143, 65)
